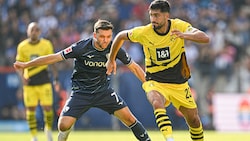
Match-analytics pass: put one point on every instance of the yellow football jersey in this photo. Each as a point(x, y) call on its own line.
point(164, 53)
point(27, 51)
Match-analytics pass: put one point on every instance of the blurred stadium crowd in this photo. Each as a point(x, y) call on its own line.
point(221, 66)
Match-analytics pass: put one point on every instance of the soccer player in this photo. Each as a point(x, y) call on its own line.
point(37, 87)
point(90, 83)
point(167, 72)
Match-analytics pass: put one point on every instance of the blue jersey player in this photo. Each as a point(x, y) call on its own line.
point(90, 83)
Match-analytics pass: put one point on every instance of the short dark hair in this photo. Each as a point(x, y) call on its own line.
point(103, 24)
point(162, 5)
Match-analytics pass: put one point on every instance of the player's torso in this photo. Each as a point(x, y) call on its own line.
point(163, 51)
point(29, 52)
point(89, 74)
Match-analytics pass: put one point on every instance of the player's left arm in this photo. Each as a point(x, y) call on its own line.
point(137, 70)
point(192, 34)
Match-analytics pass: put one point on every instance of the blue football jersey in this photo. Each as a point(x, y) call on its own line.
point(89, 74)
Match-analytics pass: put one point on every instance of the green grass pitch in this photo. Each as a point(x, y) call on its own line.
point(127, 136)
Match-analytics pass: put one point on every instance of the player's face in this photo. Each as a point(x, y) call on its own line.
point(102, 38)
point(158, 18)
point(33, 32)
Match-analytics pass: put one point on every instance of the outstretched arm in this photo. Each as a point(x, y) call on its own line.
point(195, 35)
point(137, 70)
point(116, 45)
point(42, 60)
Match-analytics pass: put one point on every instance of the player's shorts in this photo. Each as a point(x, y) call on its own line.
point(79, 103)
point(178, 94)
point(38, 94)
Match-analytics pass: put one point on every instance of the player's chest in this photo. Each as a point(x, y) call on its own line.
point(163, 49)
point(93, 59)
point(34, 52)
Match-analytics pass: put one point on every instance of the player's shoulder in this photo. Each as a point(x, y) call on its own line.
point(23, 43)
point(141, 30)
point(82, 43)
point(145, 27)
point(178, 21)
point(45, 41)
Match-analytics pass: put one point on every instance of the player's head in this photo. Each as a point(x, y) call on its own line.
point(103, 32)
point(159, 13)
point(33, 32)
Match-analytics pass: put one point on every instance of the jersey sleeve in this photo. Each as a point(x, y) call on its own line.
point(184, 26)
point(20, 56)
point(70, 52)
point(135, 34)
point(124, 57)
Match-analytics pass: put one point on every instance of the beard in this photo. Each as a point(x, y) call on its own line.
point(34, 39)
point(157, 26)
point(100, 45)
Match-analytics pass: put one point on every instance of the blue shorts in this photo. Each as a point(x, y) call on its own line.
point(79, 103)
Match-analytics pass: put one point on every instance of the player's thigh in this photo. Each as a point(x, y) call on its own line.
point(45, 94)
point(153, 89)
point(182, 97)
point(30, 96)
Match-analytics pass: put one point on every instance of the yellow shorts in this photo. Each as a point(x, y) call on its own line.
point(178, 94)
point(39, 94)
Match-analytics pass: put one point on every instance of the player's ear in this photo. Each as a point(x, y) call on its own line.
point(94, 34)
point(166, 15)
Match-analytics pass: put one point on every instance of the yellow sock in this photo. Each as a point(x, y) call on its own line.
point(197, 133)
point(48, 119)
point(163, 122)
point(31, 119)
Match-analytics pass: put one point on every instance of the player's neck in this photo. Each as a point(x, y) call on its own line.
point(164, 29)
point(34, 41)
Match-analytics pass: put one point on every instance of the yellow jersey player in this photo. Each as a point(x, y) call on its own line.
point(37, 87)
point(167, 71)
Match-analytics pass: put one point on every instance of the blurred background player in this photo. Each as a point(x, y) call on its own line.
point(37, 87)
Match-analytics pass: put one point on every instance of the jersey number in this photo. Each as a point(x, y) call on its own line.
point(116, 97)
point(188, 94)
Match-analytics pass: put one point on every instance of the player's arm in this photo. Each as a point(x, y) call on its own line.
point(137, 70)
point(193, 34)
point(42, 60)
point(20, 74)
point(116, 45)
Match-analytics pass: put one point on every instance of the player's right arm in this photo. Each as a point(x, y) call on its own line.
point(116, 45)
point(20, 73)
point(42, 60)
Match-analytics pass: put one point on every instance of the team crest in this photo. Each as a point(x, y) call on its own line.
point(190, 29)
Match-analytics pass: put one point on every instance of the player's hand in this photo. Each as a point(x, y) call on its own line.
point(111, 67)
point(25, 81)
point(19, 65)
point(177, 33)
